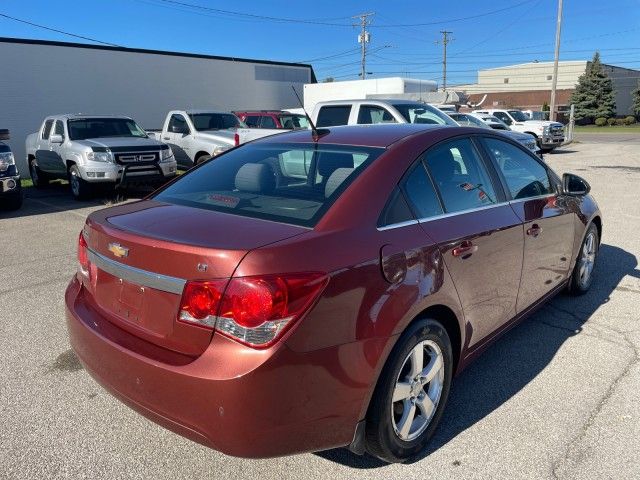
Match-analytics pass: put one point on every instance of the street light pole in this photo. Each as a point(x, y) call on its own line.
point(554, 82)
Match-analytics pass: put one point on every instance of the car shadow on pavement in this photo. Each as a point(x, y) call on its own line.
point(517, 357)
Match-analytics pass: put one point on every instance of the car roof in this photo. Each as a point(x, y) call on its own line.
point(382, 101)
point(262, 112)
point(377, 135)
point(81, 116)
point(197, 111)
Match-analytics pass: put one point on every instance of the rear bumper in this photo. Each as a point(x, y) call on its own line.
point(239, 401)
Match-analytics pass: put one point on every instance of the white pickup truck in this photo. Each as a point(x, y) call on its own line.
point(197, 135)
point(549, 135)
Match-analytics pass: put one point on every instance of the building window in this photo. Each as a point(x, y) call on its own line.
point(506, 80)
point(549, 77)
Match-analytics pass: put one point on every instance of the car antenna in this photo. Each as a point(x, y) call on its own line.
point(315, 133)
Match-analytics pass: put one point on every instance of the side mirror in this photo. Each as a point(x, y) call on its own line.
point(574, 185)
point(178, 129)
point(56, 139)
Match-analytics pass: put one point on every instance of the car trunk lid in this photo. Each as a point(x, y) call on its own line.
point(143, 253)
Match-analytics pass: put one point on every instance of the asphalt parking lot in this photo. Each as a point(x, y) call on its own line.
point(557, 397)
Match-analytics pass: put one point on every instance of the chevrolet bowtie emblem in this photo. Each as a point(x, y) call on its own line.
point(118, 250)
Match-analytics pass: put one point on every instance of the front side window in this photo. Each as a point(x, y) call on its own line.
point(460, 176)
point(177, 123)
point(333, 115)
point(504, 117)
point(59, 128)
point(84, 128)
point(289, 183)
point(525, 177)
point(421, 194)
point(369, 114)
point(46, 131)
point(518, 115)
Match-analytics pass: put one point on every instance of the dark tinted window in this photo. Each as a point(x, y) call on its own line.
point(396, 210)
point(59, 128)
point(291, 183)
point(268, 122)
point(214, 121)
point(294, 121)
point(330, 116)
point(46, 131)
point(421, 113)
point(524, 175)
point(371, 114)
point(252, 121)
point(504, 117)
point(179, 123)
point(420, 192)
point(460, 176)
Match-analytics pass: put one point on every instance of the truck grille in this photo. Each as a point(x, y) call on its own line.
point(557, 130)
point(127, 158)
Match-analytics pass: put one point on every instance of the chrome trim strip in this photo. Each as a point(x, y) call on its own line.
point(397, 225)
point(137, 275)
point(537, 197)
point(461, 212)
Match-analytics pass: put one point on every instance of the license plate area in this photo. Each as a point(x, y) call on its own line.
point(130, 301)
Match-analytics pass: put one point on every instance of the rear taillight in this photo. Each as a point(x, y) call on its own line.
point(255, 311)
point(236, 139)
point(83, 254)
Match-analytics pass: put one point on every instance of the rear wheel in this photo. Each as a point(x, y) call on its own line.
point(79, 188)
point(582, 275)
point(38, 177)
point(411, 394)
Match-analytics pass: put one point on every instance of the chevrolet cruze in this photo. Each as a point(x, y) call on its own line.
point(318, 289)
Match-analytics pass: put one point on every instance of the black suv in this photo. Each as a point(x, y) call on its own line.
point(10, 188)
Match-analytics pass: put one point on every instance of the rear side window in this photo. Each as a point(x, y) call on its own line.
point(460, 176)
point(333, 115)
point(421, 194)
point(525, 177)
point(289, 183)
point(396, 211)
point(369, 114)
point(46, 131)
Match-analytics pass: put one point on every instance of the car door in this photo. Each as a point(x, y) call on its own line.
point(43, 149)
point(548, 222)
point(478, 233)
point(57, 149)
point(177, 130)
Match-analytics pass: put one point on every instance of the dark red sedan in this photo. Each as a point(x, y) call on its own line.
point(301, 293)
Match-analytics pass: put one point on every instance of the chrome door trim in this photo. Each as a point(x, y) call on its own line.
point(138, 276)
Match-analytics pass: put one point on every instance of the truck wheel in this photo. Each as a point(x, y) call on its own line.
point(38, 177)
point(202, 158)
point(15, 202)
point(79, 188)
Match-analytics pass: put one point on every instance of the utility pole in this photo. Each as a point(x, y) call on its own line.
point(554, 83)
point(363, 39)
point(445, 40)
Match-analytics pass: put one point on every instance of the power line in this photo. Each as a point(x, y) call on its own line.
point(445, 40)
point(346, 53)
point(51, 29)
point(363, 40)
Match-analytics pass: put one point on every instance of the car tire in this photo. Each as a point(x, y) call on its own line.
point(80, 189)
point(202, 158)
point(411, 393)
point(38, 177)
point(582, 275)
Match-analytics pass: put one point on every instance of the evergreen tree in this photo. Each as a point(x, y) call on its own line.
point(594, 96)
point(636, 101)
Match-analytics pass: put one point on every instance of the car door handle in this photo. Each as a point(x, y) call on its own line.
point(166, 138)
point(465, 249)
point(535, 230)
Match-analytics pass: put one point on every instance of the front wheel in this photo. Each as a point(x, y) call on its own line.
point(38, 177)
point(202, 159)
point(582, 275)
point(79, 188)
point(411, 393)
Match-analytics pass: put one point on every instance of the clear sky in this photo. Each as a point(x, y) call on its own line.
point(403, 33)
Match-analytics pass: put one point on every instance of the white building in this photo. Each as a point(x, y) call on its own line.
point(40, 78)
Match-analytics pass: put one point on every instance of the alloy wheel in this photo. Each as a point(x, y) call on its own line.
point(417, 391)
point(587, 259)
point(75, 184)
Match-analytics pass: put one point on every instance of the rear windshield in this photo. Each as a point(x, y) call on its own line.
point(215, 121)
point(289, 183)
point(85, 128)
